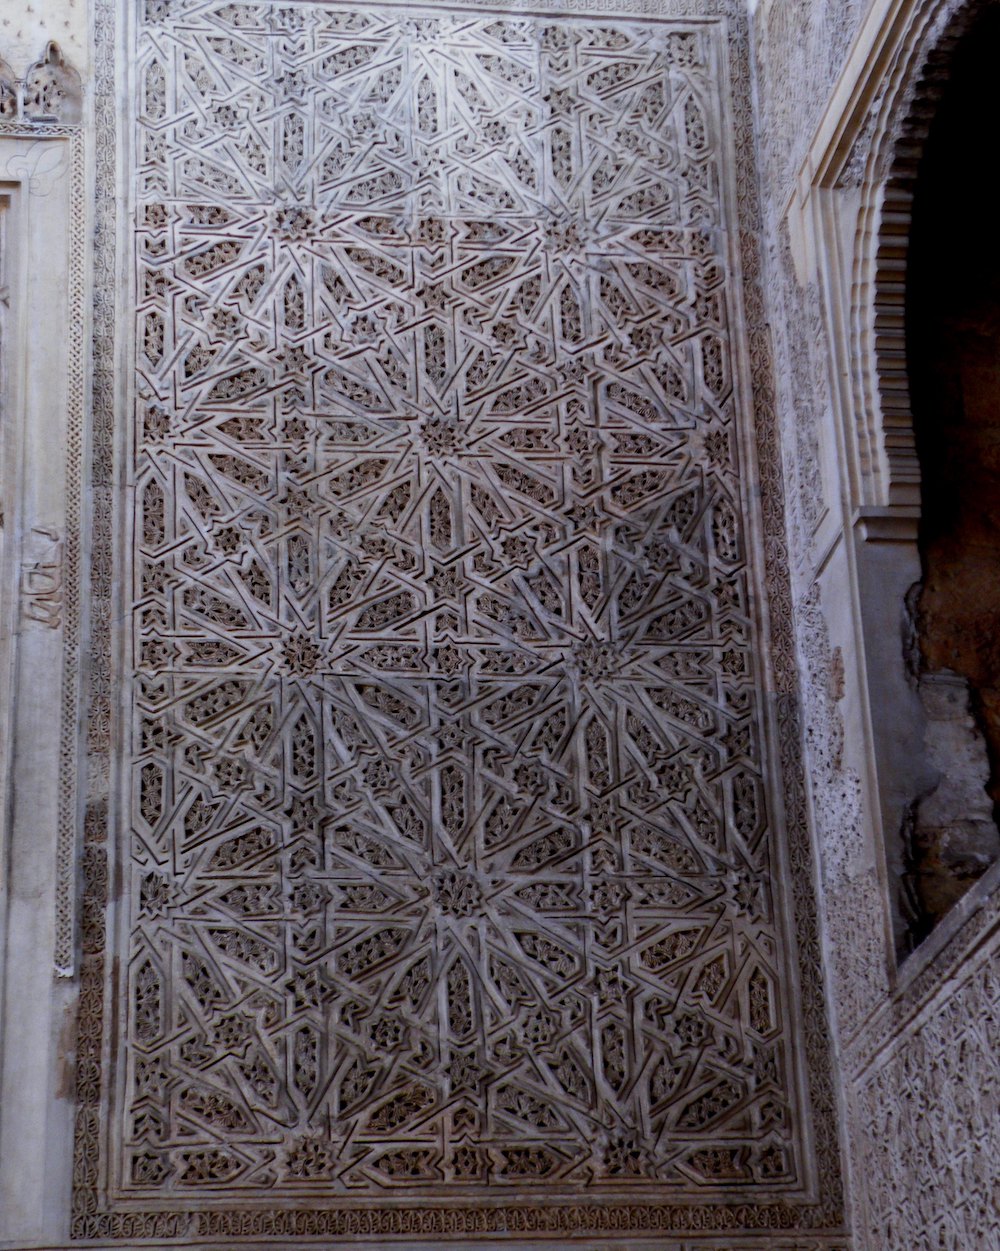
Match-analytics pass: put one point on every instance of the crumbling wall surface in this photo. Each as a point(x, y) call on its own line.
point(918, 1037)
point(801, 48)
point(953, 337)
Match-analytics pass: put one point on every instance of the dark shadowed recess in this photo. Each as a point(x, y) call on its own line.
point(953, 348)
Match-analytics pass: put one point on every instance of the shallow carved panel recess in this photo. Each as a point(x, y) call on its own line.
point(450, 863)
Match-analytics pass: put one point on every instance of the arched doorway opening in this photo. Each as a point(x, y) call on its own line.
point(953, 362)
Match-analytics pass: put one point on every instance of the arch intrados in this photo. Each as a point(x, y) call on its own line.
point(911, 91)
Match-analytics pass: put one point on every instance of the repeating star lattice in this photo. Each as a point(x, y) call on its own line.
point(450, 858)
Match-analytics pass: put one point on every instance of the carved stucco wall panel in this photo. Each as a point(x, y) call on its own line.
point(932, 1098)
point(803, 47)
point(901, 1047)
point(919, 1044)
point(452, 812)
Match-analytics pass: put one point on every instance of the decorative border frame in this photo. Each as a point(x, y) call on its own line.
point(747, 1221)
point(64, 951)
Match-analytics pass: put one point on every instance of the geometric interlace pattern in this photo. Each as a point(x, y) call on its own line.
point(449, 860)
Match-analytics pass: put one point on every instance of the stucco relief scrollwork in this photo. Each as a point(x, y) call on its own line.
point(931, 1100)
point(802, 49)
point(49, 92)
point(52, 91)
point(444, 681)
point(450, 858)
point(8, 92)
point(919, 1056)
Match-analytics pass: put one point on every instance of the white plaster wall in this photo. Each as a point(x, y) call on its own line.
point(25, 29)
point(42, 176)
point(37, 1007)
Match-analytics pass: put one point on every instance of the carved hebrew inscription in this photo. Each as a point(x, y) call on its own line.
point(41, 578)
point(450, 861)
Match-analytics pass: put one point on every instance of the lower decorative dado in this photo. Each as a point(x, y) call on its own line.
point(461, 844)
point(910, 1069)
